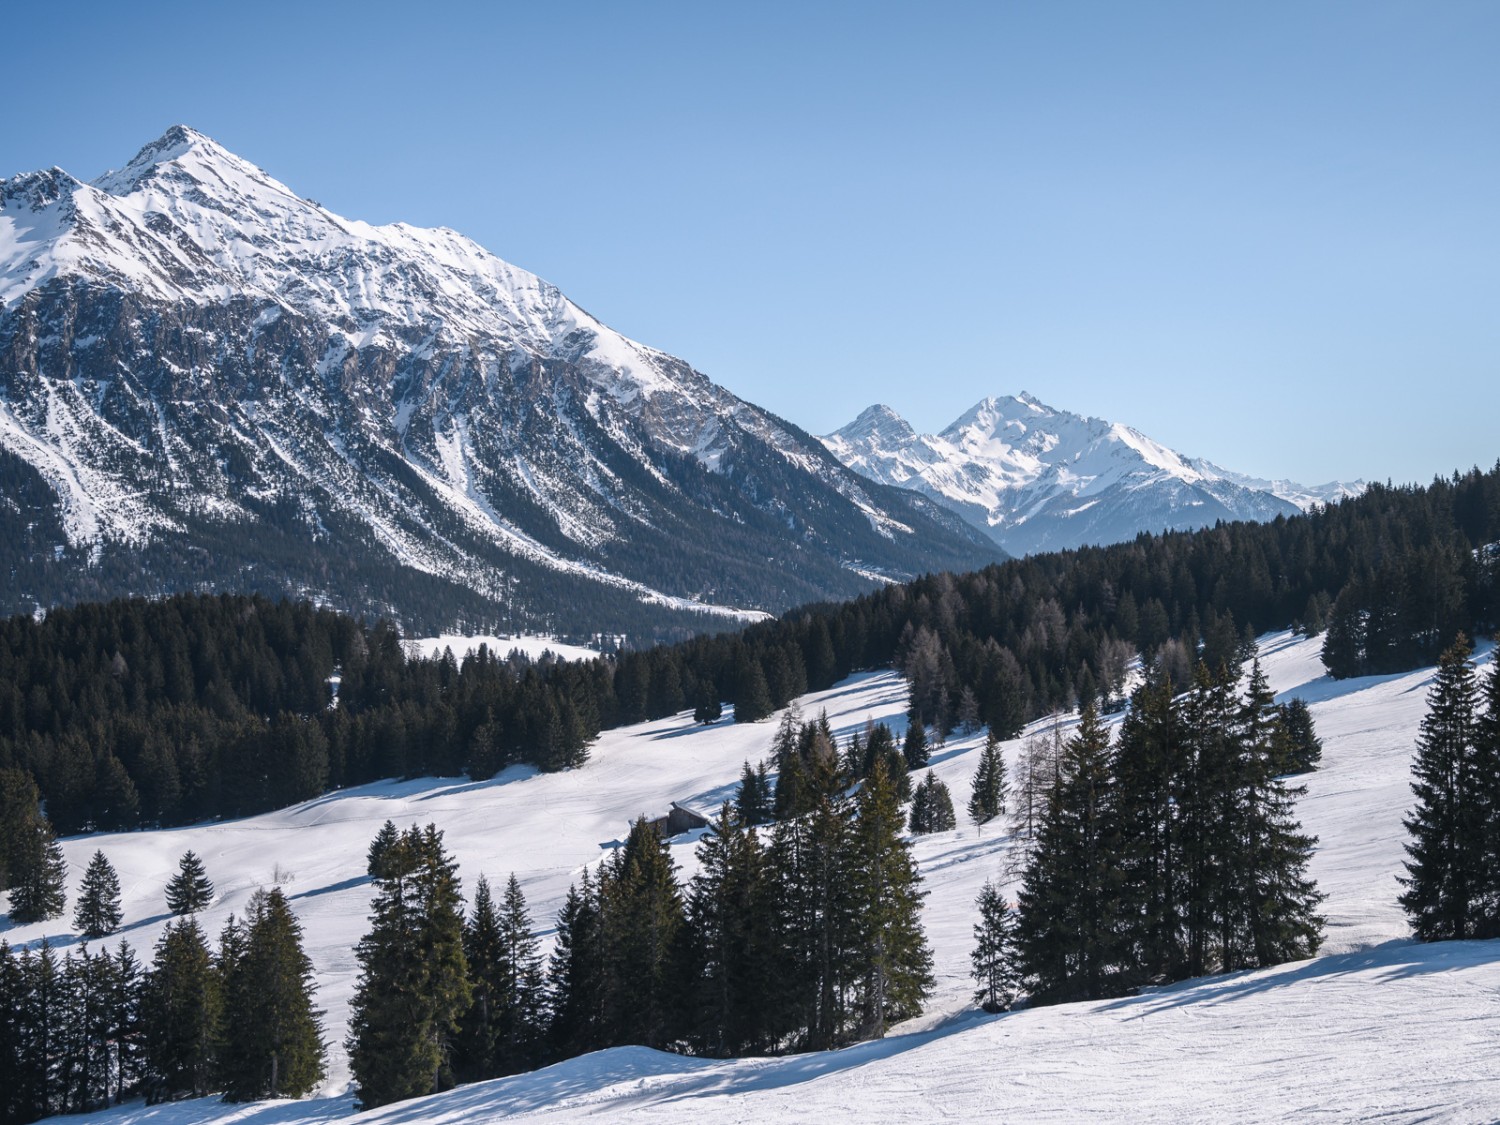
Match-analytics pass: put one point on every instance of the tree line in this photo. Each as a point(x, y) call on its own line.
point(93, 1029)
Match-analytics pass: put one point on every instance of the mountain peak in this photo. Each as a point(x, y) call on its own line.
point(171, 147)
point(878, 422)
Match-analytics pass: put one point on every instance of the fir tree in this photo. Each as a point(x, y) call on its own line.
point(1301, 749)
point(1486, 766)
point(575, 974)
point(1445, 873)
point(38, 874)
point(190, 890)
point(380, 846)
point(413, 982)
point(932, 807)
point(98, 911)
point(180, 1013)
point(503, 1031)
point(732, 956)
point(915, 749)
point(708, 710)
point(273, 1045)
point(987, 798)
point(753, 802)
point(894, 964)
point(1067, 934)
point(642, 912)
point(994, 956)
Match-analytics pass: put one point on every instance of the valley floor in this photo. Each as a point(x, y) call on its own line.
point(1376, 1028)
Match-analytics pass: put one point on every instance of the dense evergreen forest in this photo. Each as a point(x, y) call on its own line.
point(163, 712)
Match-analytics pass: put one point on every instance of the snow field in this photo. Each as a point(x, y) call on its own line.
point(1376, 1028)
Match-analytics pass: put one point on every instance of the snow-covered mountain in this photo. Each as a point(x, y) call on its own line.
point(208, 380)
point(1038, 479)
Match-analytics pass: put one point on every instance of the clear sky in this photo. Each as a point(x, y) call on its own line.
point(1266, 233)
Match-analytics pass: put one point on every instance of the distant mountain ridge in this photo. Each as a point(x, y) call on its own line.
point(1036, 478)
point(208, 381)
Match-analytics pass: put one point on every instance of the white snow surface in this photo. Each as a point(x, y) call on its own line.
point(431, 648)
point(1375, 1028)
point(1009, 461)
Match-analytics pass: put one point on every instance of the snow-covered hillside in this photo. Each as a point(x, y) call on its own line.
point(1375, 1028)
point(218, 382)
point(1037, 478)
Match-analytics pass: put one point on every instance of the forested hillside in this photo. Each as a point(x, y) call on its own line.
point(137, 713)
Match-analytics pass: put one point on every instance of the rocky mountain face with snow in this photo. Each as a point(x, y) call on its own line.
point(1039, 479)
point(207, 381)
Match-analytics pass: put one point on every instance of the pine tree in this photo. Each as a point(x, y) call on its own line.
point(642, 914)
point(1444, 874)
point(752, 700)
point(575, 974)
point(189, 891)
point(994, 956)
point(38, 874)
point(413, 982)
point(380, 846)
point(180, 1012)
point(987, 799)
point(126, 1030)
point(932, 807)
point(1301, 748)
point(1486, 761)
point(708, 710)
point(893, 963)
point(98, 911)
point(503, 1031)
point(1068, 932)
point(752, 803)
point(273, 1045)
point(915, 749)
point(729, 927)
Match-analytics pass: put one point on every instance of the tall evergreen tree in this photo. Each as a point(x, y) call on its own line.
point(1486, 760)
point(503, 1031)
point(1068, 932)
point(893, 963)
point(732, 957)
point(190, 890)
point(1445, 873)
point(994, 957)
point(575, 974)
point(380, 846)
point(753, 801)
point(273, 1045)
point(180, 1013)
point(98, 911)
point(915, 749)
point(38, 874)
point(1301, 748)
point(932, 807)
point(413, 983)
point(988, 792)
point(642, 912)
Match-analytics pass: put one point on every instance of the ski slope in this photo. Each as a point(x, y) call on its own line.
point(1375, 1028)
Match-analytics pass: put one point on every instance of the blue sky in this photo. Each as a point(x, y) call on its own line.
point(1265, 233)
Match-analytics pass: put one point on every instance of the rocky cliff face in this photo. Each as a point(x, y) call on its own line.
point(208, 381)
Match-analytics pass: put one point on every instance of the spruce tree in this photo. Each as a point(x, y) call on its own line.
point(575, 974)
point(413, 982)
point(190, 890)
point(98, 911)
point(1487, 781)
point(38, 874)
point(752, 803)
point(272, 1044)
point(1301, 748)
point(987, 798)
point(708, 710)
point(380, 846)
point(503, 1030)
point(642, 913)
point(180, 1012)
point(1445, 873)
point(732, 957)
point(915, 749)
point(1070, 903)
point(994, 956)
point(932, 807)
point(893, 962)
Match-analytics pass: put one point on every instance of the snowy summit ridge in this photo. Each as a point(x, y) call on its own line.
point(1036, 478)
point(190, 349)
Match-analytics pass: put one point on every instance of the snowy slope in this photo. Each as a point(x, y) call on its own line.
point(1375, 1028)
point(194, 359)
point(1037, 478)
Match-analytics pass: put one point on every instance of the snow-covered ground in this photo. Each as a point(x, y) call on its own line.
point(432, 647)
point(1377, 1027)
